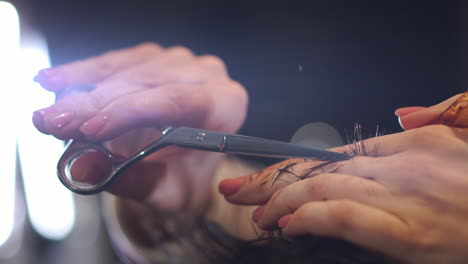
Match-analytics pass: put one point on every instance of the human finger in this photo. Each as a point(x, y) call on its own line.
point(177, 65)
point(96, 69)
point(172, 104)
point(408, 110)
point(89, 114)
point(456, 115)
point(358, 223)
point(425, 116)
point(329, 186)
point(253, 189)
point(258, 188)
point(417, 173)
point(175, 104)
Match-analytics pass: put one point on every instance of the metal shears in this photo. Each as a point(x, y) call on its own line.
point(110, 168)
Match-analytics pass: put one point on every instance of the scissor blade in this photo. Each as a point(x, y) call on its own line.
point(243, 145)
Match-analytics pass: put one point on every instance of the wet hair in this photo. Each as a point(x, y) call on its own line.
point(222, 248)
point(206, 242)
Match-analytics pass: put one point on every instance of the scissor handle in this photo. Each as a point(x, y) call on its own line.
point(74, 150)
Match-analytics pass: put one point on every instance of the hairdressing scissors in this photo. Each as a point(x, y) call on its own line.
point(184, 137)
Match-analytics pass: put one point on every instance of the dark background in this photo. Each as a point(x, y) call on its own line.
point(339, 62)
point(360, 60)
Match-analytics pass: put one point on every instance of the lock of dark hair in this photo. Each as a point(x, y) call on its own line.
point(208, 243)
point(205, 242)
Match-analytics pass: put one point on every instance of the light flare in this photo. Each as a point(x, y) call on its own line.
point(50, 205)
point(9, 49)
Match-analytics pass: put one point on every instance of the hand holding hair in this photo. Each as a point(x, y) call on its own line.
point(407, 200)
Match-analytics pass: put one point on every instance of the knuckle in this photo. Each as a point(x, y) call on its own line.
point(266, 178)
point(276, 199)
point(211, 61)
point(180, 51)
point(103, 65)
point(419, 164)
point(242, 96)
point(433, 134)
point(347, 180)
point(302, 215)
point(440, 140)
point(367, 188)
point(94, 101)
point(190, 108)
point(238, 101)
point(425, 243)
point(356, 161)
point(144, 76)
point(257, 178)
point(419, 238)
point(342, 213)
point(177, 98)
point(371, 191)
point(148, 47)
point(316, 189)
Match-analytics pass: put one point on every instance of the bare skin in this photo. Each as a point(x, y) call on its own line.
point(409, 202)
point(139, 89)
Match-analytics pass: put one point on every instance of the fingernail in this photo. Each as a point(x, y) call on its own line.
point(38, 120)
point(42, 116)
point(94, 125)
point(230, 186)
point(402, 111)
point(51, 79)
point(401, 124)
point(61, 120)
point(398, 112)
point(283, 221)
point(257, 214)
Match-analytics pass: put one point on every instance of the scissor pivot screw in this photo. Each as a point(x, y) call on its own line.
point(201, 136)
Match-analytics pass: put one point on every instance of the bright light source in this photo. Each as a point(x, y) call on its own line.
point(9, 47)
point(50, 205)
